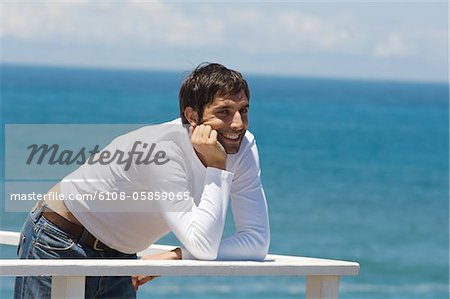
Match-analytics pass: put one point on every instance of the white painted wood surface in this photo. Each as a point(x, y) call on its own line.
point(275, 265)
point(322, 274)
point(322, 287)
point(68, 287)
point(9, 238)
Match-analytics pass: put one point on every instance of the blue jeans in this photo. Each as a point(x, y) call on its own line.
point(41, 239)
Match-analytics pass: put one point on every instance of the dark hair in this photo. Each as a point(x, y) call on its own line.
point(207, 81)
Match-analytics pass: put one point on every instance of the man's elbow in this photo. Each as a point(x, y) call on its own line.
point(263, 249)
point(260, 249)
point(205, 255)
point(205, 252)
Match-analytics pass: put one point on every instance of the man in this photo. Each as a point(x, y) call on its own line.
point(199, 161)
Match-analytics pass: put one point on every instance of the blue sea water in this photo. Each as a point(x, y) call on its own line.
point(353, 170)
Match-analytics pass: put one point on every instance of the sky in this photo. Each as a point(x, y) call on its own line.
point(393, 40)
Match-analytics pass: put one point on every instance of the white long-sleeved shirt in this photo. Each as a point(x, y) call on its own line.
point(196, 197)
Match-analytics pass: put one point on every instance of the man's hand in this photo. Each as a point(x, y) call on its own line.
point(209, 150)
point(138, 280)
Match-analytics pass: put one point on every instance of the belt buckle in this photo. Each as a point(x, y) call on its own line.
point(95, 245)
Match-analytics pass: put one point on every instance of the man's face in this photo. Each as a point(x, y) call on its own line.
point(228, 115)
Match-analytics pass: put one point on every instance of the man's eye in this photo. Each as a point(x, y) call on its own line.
point(223, 112)
point(244, 110)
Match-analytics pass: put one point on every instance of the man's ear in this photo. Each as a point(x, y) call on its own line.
point(191, 115)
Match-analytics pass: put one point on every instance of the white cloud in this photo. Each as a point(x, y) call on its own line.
point(392, 46)
point(281, 37)
point(107, 22)
point(306, 32)
point(296, 22)
point(156, 22)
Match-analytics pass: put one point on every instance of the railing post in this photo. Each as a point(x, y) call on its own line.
point(322, 287)
point(68, 287)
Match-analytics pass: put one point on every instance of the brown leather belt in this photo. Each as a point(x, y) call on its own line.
point(74, 230)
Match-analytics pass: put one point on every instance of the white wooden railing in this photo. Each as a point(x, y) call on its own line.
point(68, 276)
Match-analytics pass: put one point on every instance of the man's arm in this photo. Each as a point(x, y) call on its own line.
point(250, 214)
point(252, 237)
point(199, 228)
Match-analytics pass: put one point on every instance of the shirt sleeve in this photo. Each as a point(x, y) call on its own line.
point(198, 228)
point(249, 207)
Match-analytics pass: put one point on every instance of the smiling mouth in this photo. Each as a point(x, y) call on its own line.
point(232, 137)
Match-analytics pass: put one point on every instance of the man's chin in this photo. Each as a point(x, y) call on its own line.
point(230, 149)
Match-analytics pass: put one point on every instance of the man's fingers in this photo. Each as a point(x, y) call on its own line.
point(199, 130)
point(209, 150)
point(202, 134)
point(197, 133)
point(134, 281)
point(206, 132)
point(213, 135)
point(138, 280)
point(145, 279)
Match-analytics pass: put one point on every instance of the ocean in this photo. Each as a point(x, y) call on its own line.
point(352, 169)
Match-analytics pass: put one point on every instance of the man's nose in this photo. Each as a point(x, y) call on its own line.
point(237, 122)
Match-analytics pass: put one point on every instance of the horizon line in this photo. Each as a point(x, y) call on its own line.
point(247, 74)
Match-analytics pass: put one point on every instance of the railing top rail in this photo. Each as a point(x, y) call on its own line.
point(274, 265)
